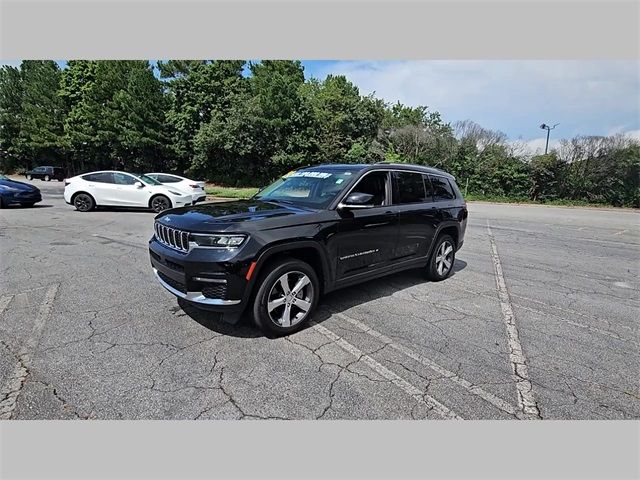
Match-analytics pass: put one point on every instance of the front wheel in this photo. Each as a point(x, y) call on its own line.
point(440, 264)
point(160, 203)
point(287, 297)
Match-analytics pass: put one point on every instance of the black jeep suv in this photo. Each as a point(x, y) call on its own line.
point(314, 230)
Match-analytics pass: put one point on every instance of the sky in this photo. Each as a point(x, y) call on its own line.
point(513, 96)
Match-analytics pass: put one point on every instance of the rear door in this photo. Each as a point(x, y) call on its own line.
point(418, 215)
point(365, 240)
point(444, 197)
point(101, 187)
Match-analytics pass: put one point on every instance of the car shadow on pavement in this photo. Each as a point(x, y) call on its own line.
point(346, 298)
point(330, 303)
point(244, 328)
point(20, 207)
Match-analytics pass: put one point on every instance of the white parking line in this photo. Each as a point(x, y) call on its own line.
point(11, 390)
point(4, 302)
point(383, 371)
point(427, 362)
point(526, 398)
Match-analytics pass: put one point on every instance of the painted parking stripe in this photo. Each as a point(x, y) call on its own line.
point(383, 371)
point(526, 398)
point(427, 362)
point(11, 390)
point(4, 302)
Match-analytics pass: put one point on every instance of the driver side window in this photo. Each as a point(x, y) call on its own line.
point(375, 184)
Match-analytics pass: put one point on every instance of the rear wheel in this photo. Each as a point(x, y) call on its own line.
point(287, 297)
point(29, 177)
point(442, 259)
point(160, 203)
point(83, 202)
point(47, 178)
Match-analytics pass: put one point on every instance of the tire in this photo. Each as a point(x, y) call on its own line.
point(47, 178)
point(159, 203)
point(28, 204)
point(442, 259)
point(83, 202)
point(271, 293)
point(29, 177)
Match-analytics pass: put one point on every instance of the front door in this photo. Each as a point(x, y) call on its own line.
point(366, 238)
point(128, 194)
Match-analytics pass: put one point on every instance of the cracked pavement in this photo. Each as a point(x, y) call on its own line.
point(112, 344)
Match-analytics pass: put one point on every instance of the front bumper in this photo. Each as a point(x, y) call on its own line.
point(21, 197)
point(211, 278)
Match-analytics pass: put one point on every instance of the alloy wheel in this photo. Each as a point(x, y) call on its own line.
point(444, 258)
point(290, 299)
point(159, 204)
point(82, 202)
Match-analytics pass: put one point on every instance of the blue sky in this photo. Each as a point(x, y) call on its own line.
point(513, 96)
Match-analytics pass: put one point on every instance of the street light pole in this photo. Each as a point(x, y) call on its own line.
point(546, 127)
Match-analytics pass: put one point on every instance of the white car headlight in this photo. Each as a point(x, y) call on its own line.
point(219, 240)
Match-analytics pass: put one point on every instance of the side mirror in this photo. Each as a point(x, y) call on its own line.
point(139, 184)
point(357, 200)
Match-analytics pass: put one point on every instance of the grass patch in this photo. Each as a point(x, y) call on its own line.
point(230, 192)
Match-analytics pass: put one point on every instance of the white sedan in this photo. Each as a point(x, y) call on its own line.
point(181, 184)
point(121, 189)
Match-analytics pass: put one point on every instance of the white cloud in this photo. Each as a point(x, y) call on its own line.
point(585, 97)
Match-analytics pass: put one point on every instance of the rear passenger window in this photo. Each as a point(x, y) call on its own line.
point(409, 188)
point(104, 177)
point(442, 189)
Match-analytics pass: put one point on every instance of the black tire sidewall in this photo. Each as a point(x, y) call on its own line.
point(266, 282)
point(92, 203)
point(156, 197)
point(432, 271)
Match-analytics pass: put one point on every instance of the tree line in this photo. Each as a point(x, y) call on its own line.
point(241, 123)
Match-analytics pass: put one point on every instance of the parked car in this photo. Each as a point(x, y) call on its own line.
point(12, 191)
point(181, 184)
point(121, 189)
point(46, 173)
point(313, 231)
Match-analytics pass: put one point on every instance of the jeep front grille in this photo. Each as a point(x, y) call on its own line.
point(172, 237)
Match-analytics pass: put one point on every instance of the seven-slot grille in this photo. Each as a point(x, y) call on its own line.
point(172, 237)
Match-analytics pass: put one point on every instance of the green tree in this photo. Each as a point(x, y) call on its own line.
point(11, 93)
point(42, 112)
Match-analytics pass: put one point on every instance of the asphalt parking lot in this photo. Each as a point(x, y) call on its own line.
point(540, 320)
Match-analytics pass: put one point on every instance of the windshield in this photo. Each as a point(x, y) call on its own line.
point(310, 188)
point(148, 180)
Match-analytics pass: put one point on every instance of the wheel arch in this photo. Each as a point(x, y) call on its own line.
point(159, 194)
point(307, 251)
point(75, 194)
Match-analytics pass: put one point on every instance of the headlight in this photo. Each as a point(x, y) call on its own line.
point(219, 240)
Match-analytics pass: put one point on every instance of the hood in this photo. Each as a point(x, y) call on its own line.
point(24, 187)
point(214, 216)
